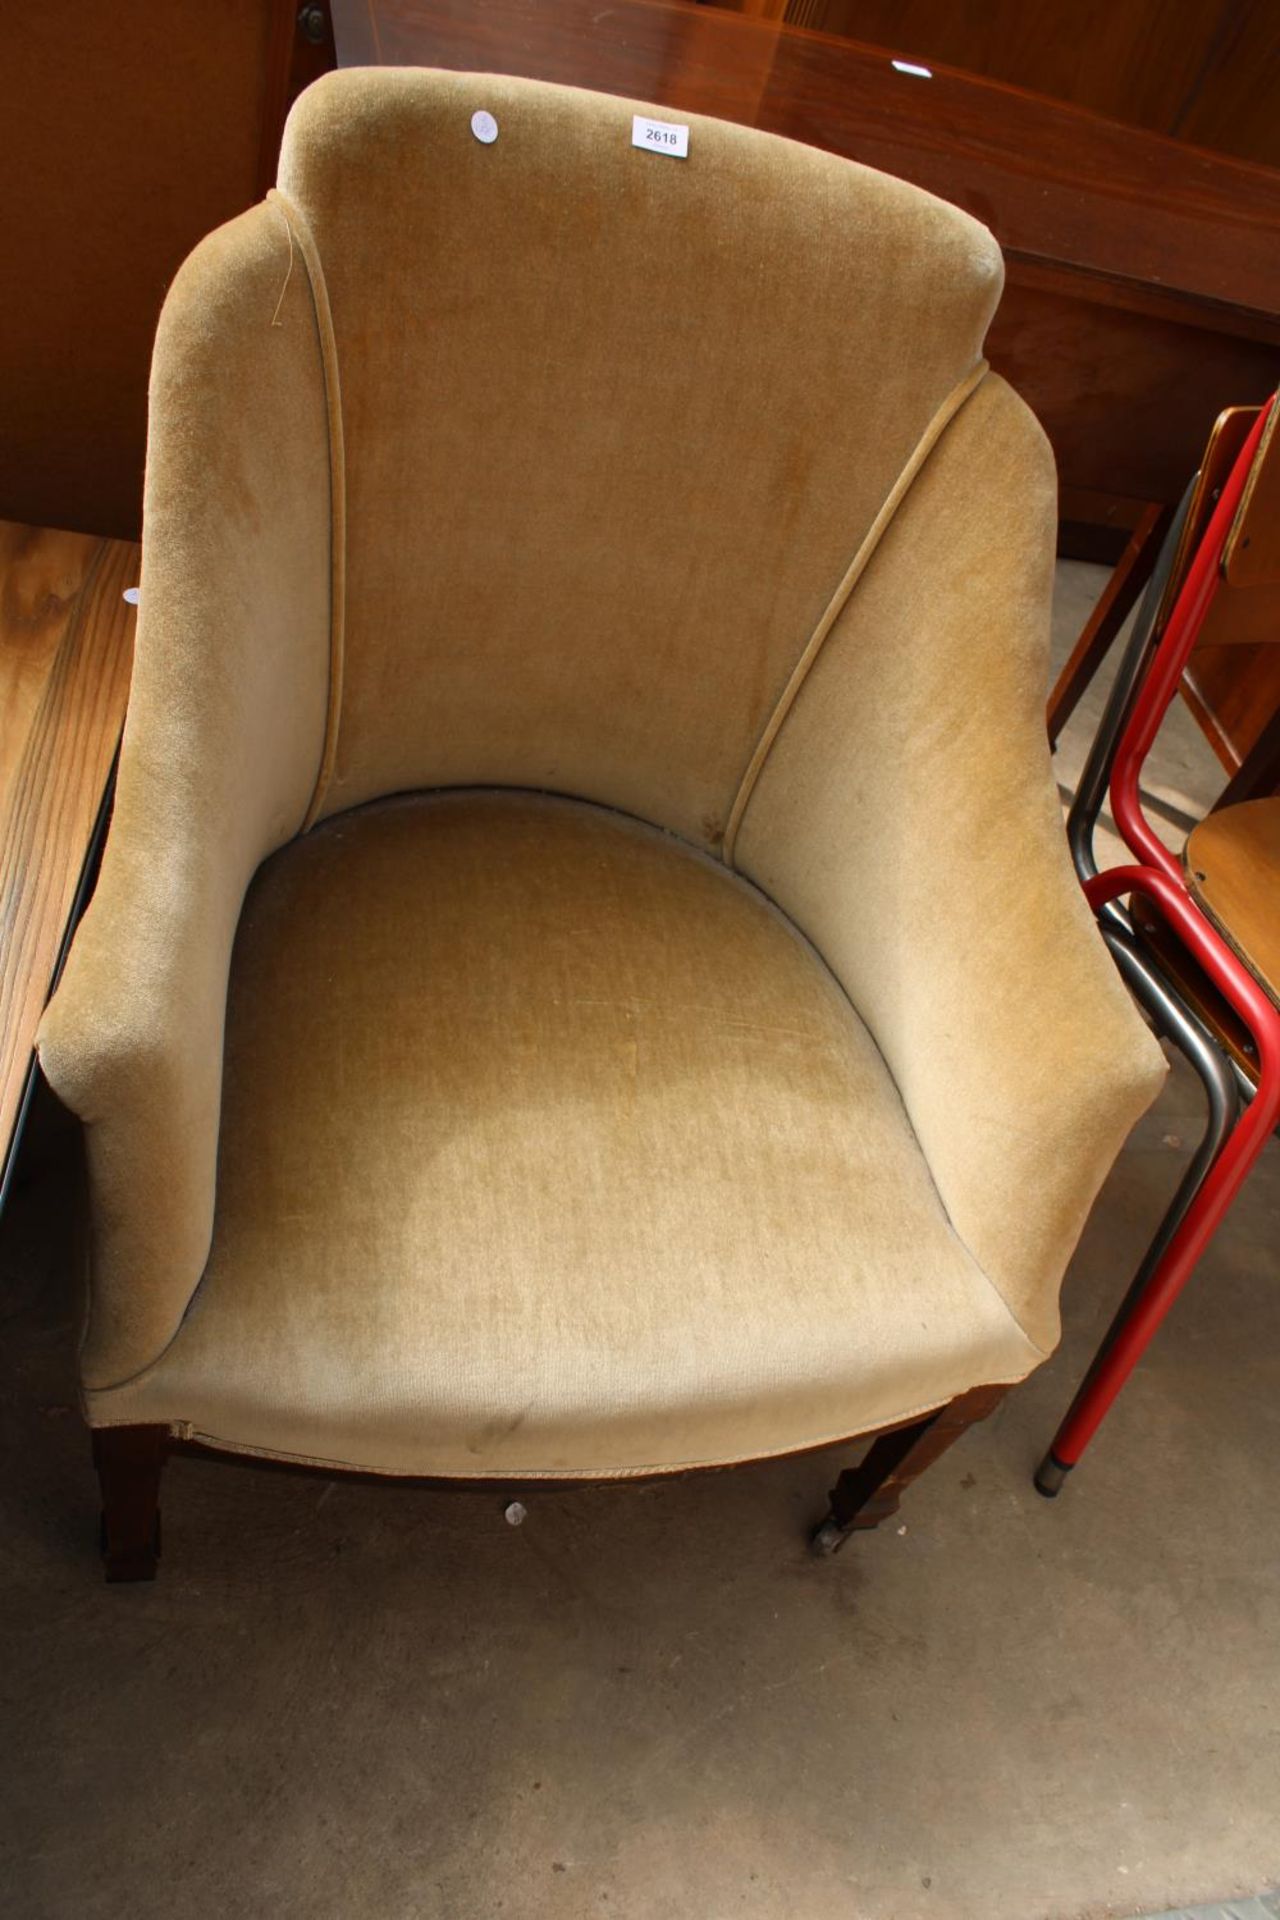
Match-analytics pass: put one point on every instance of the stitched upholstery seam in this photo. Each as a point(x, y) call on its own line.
point(835, 606)
point(337, 497)
point(181, 1429)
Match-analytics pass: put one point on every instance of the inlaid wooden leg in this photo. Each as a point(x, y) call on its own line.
point(865, 1495)
point(129, 1461)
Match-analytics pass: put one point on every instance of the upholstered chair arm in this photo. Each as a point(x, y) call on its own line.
point(907, 819)
point(225, 733)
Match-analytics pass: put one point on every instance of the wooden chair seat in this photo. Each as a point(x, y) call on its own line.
point(1232, 862)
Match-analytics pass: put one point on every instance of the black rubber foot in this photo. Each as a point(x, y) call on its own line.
point(1051, 1475)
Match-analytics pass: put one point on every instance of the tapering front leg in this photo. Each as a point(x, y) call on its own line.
point(129, 1462)
point(865, 1495)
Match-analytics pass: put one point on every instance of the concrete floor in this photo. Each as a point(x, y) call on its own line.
point(648, 1702)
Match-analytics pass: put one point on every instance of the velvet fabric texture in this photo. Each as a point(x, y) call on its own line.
point(908, 821)
point(543, 1141)
point(575, 1157)
point(615, 426)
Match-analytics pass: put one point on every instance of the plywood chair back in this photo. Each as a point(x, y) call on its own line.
point(1232, 681)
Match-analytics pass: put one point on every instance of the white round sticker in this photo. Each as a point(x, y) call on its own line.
point(484, 127)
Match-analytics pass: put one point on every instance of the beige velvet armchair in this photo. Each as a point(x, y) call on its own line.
point(586, 978)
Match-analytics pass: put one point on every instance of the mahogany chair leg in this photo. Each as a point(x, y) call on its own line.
point(129, 1462)
point(1119, 598)
point(865, 1495)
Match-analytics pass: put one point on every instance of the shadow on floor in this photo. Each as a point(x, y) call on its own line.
point(647, 1702)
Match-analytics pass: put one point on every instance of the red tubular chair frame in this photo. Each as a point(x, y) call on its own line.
point(1166, 669)
point(1159, 878)
point(1131, 1337)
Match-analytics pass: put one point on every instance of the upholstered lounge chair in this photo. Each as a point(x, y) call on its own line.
point(586, 978)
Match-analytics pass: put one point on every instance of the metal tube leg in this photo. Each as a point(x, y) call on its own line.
point(1170, 1273)
point(1064, 1452)
point(1223, 1098)
point(1091, 792)
point(1148, 1304)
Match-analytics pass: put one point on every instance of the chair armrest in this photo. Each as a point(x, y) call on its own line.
point(222, 744)
point(907, 819)
point(132, 1043)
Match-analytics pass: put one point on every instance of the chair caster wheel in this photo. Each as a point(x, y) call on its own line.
point(827, 1539)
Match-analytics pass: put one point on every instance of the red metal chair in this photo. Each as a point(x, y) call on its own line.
point(1158, 877)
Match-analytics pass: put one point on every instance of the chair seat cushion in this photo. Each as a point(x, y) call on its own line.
point(550, 1147)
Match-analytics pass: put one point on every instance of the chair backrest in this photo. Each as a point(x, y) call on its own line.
point(615, 425)
point(1232, 679)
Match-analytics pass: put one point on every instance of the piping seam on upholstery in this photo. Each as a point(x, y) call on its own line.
point(181, 1429)
point(301, 233)
point(835, 606)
